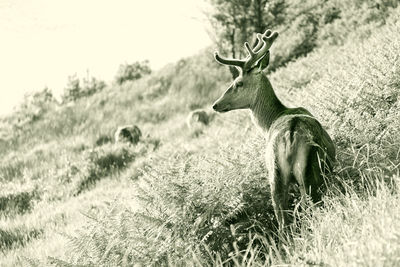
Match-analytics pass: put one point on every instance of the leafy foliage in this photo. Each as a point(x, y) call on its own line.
point(235, 22)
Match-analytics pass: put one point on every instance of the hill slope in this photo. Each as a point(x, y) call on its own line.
point(202, 190)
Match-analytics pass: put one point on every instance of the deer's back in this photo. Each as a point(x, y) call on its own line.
point(292, 136)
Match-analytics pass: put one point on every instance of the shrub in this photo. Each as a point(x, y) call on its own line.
point(75, 89)
point(91, 85)
point(32, 108)
point(130, 72)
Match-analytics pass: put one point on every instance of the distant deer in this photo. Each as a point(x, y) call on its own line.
point(128, 134)
point(298, 149)
point(198, 117)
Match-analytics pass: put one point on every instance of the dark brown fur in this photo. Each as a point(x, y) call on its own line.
point(299, 150)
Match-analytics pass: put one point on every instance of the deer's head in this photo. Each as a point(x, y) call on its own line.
point(243, 90)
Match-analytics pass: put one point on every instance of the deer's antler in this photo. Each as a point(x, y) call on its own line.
point(264, 43)
point(230, 62)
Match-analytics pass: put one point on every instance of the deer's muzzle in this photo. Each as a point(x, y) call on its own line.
point(221, 108)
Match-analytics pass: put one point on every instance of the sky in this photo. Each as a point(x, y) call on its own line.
point(44, 41)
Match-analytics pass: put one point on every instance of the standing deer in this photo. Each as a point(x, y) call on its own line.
point(298, 149)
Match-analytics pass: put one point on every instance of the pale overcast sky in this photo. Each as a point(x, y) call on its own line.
point(45, 41)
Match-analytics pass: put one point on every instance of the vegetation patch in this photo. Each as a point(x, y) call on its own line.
point(11, 170)
point(192, 205)
point(17, 236)
point(17, 201)
point(101, 162)
point(103, 139)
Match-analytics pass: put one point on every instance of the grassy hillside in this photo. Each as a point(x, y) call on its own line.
point(200, 196)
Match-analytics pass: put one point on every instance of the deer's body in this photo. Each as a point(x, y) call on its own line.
point(298, 149)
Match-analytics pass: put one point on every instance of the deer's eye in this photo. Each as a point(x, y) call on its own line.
point(239, 83)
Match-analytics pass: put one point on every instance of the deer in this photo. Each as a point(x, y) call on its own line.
point(298, 149)
point(198, 117)
point(128, 134)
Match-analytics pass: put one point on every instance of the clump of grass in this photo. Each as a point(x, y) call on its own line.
point(351, 228)
point(101, 162)
point(196, 132)
point(14, 200)
point(348, 229)
point(11, 170)
point(17, 236)
point(103, 139)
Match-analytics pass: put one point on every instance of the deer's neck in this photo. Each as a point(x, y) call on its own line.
point(267, 107)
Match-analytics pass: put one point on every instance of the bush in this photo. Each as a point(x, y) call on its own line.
point(91, 85)
point(32, 108)
point(130, 72)
point(74, 90)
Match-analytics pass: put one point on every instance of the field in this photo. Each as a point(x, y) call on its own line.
point(199, 196)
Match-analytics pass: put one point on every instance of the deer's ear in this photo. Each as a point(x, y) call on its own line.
point(264, 62)
point(235, 71)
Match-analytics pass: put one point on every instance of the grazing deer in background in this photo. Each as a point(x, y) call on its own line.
point(298, 149)
point(128, 134)
point(198, 117)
